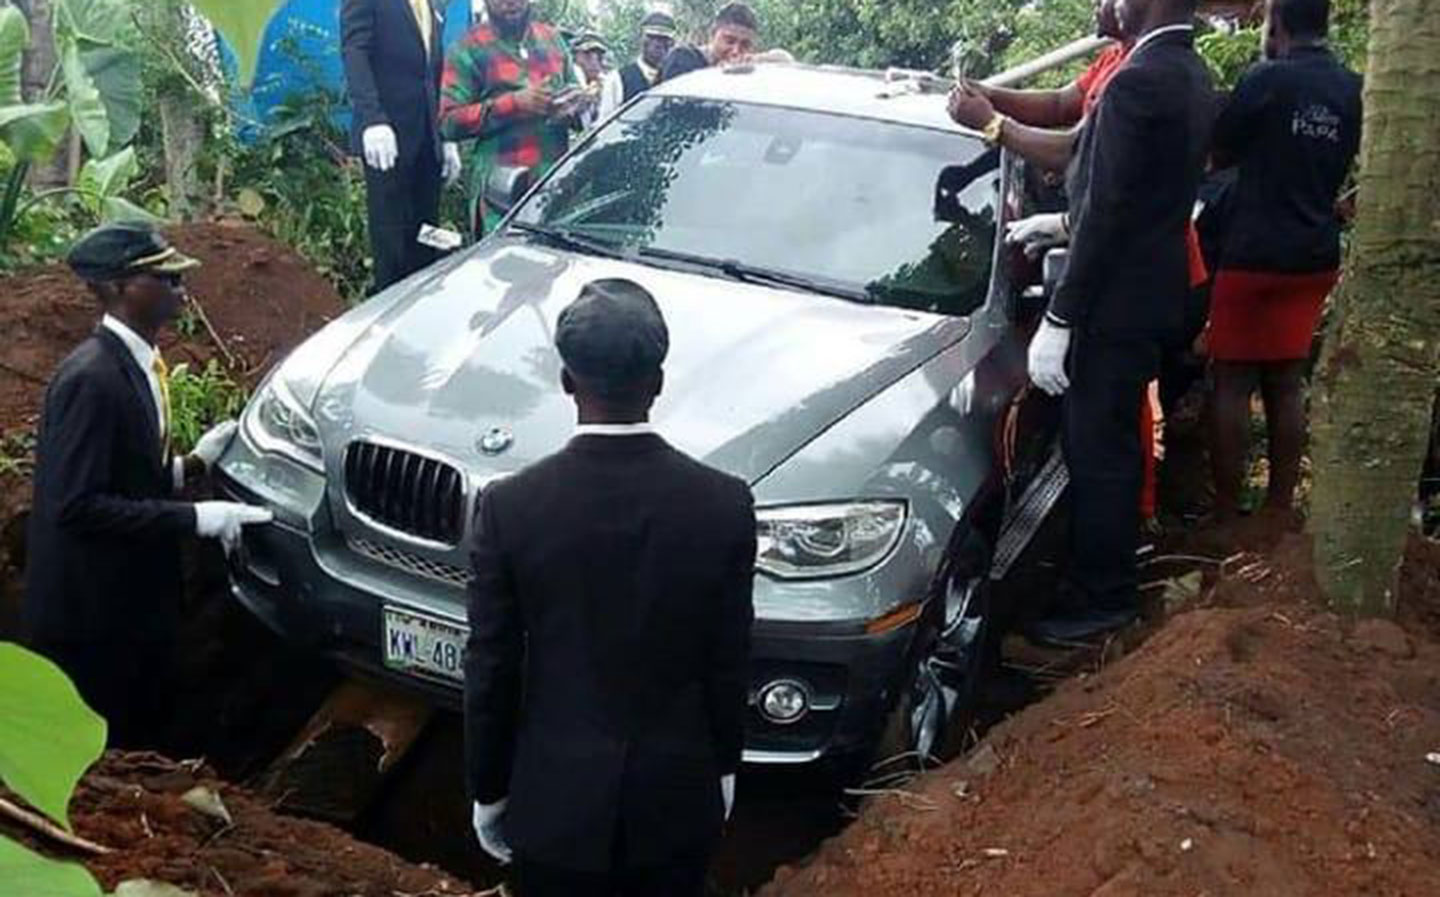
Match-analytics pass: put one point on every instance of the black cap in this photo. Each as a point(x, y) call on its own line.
point(123, 249)
point(659, 24)
point(613, 336)
point(588, 40)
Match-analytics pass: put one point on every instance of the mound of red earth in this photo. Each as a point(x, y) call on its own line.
point(135, 804)
point(1255, 745)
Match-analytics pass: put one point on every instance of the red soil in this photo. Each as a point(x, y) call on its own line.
point(1257, 745)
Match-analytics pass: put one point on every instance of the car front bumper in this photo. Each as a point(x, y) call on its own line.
point(315, 593)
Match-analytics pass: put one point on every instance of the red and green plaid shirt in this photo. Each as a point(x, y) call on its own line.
point(483, 71)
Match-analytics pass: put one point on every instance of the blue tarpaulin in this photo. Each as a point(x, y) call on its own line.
point(301, 52)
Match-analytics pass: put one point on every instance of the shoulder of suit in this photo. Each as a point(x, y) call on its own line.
point(88, 365)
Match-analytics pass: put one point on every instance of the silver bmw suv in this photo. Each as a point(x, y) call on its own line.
point(848, 336)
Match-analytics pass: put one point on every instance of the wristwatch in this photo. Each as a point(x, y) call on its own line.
point(992, 130)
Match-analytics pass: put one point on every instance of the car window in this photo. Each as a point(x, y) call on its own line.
point(899, 215)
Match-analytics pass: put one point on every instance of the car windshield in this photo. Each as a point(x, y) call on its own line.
point(875, 211)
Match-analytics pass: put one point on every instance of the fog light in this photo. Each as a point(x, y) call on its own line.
point(784, 702)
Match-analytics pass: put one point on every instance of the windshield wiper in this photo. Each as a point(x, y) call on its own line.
point(736, 270)
point(567, 239)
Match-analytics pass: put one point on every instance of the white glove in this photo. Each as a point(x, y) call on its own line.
point(223, 520)
point(1047, 358)
point(488, 819)
point(1038, 232)
point(727, 792)
point(380, 146)
point(214, 443)
point(453, 167)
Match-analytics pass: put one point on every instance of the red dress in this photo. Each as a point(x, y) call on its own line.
point(1258, 316)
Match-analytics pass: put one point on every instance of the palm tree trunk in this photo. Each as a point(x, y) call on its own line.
point(1377, 375)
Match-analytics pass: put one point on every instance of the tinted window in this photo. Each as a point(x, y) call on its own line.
point(900, 215)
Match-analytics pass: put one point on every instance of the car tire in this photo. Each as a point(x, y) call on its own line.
point(934, 714)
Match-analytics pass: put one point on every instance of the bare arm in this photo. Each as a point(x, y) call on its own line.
point(1047, 149)
point(1039, 108)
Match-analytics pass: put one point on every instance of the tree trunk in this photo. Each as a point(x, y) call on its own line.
point(39, 66)
point(183, 115)
point(1377, 375)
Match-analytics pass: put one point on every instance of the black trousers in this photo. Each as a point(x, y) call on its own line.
point(680, 878)
point(126, 682)
point(1102, 449)
point(398, 201)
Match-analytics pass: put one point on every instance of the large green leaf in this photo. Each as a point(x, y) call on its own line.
point(110, 176)
point(118, 208)
point(87, 110)
point(14, 38)
point(242, 23)
point(116, 72)
point(34, 131)
point(49, 737)
point(24, 872)
point(94, 21)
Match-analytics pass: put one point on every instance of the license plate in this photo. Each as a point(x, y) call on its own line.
point(424, 646)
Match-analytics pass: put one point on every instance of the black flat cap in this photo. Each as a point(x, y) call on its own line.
point(659, 24)
point(123, 249)
point(613, 336)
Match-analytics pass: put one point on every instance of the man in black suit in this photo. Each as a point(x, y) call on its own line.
point(657, 39)
point(102, 593)
point(610, 613)
point(1132, 182)
point(393, 57)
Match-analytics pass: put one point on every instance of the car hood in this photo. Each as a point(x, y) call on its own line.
point(753, 373)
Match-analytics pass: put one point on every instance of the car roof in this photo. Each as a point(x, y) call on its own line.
point(857, 92)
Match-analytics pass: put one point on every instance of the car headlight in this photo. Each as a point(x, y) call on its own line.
point(813, 541)
point(276, 422)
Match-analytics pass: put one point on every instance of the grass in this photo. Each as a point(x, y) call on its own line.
point(17, 453)
point(199, 399)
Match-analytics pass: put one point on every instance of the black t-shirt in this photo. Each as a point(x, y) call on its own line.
point(681, 60)
point(1293, 128)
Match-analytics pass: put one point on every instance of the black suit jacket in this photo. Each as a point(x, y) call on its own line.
point(104, 547)
point(1132, 185)
point(606, 672)
point(391, 79)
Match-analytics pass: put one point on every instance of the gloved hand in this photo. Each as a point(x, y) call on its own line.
point(453, 167)
point(214, 443)
point(223, 520)
point(1047, 358)
point(1038, 232)
point(488, 820)
point(380, 146)
point(727, 792)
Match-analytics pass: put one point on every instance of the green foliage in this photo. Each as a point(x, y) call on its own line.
point(48, 741)
point(1229, 54)
point(17, 453)
point(199, 400)
point(49, 738)
point(242, 23)
point(29, 873)
point(299, 184)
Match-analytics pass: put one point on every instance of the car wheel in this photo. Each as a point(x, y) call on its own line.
point(934, 714)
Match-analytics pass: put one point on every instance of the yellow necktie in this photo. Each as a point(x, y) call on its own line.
point(421, 8)
point(162, 376)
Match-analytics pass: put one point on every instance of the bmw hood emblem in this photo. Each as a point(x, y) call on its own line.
point(495, 441)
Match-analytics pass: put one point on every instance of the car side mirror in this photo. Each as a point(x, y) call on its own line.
point(505, 187)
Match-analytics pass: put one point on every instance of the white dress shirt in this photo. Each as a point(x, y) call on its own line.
point(144, 355)
point(641, 429)
point(1168, 29)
